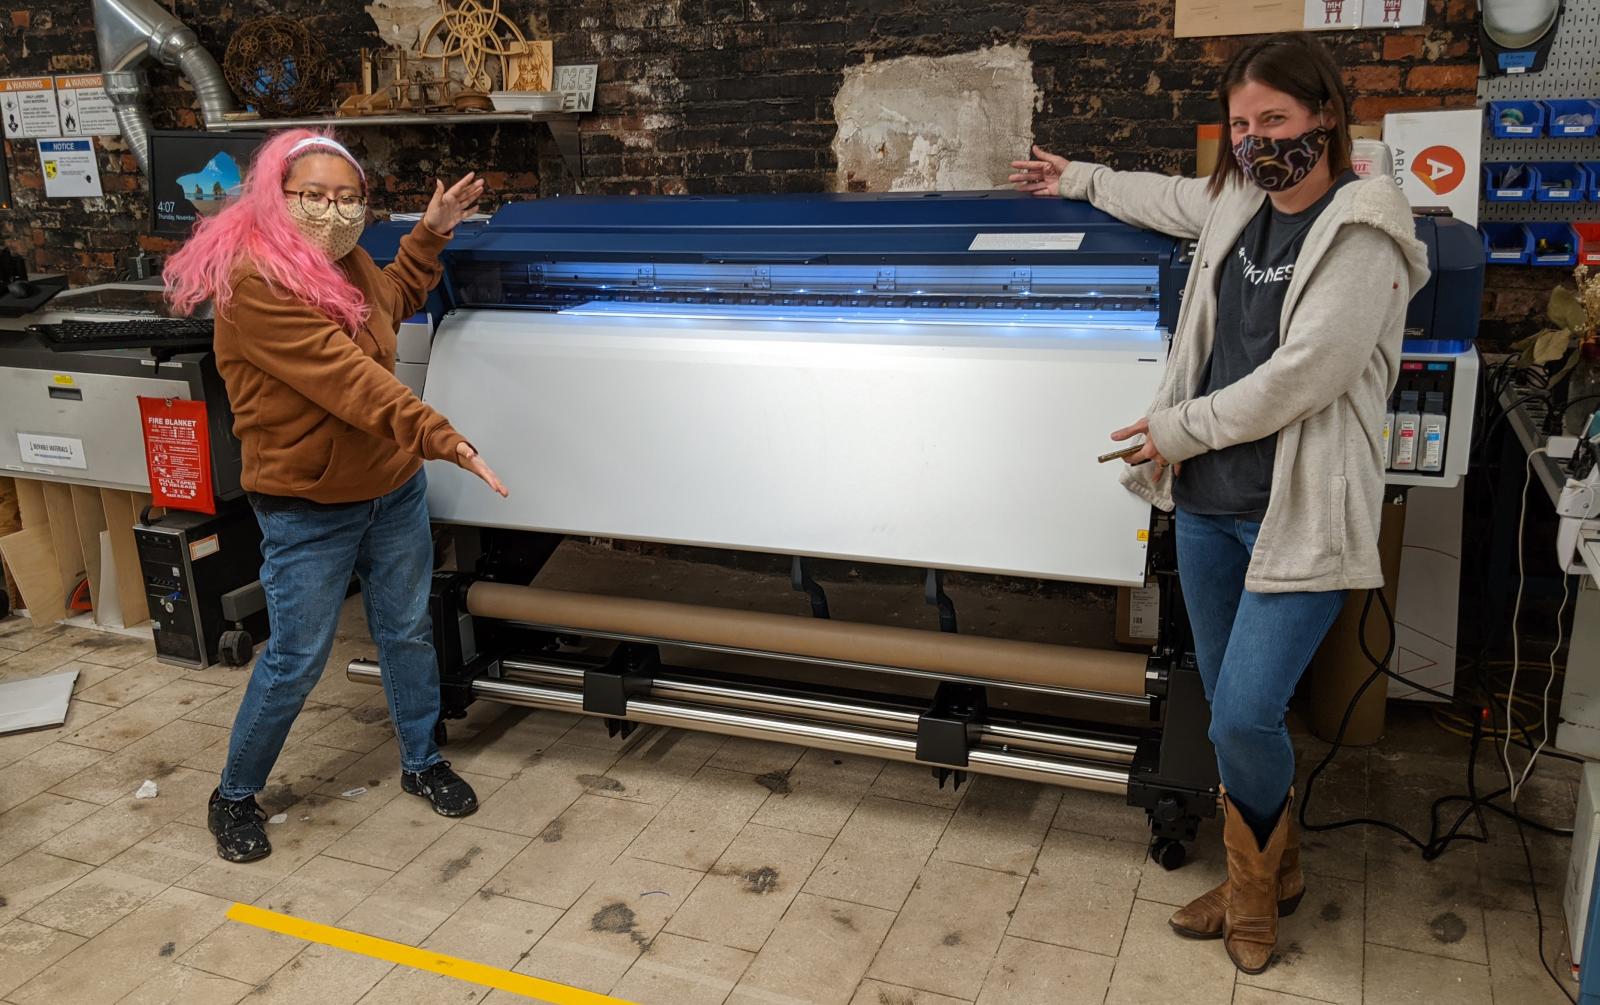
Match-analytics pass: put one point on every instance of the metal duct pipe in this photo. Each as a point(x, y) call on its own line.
point(128, 33)
point(1032, 767)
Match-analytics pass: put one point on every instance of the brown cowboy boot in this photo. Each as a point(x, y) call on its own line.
point(1202, 917)
point(1250, 923)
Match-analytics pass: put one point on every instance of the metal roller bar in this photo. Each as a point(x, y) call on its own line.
point(859, 712)
point(1041, 768)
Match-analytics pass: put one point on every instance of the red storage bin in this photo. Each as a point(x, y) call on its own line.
point(1588, 243)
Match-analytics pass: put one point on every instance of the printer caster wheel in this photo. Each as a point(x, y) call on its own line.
point(1168, 854)
point(235, 648)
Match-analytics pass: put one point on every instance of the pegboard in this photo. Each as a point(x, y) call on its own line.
point(1572, 71)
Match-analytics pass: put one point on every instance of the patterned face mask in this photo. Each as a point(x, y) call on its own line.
point(1277, 165)
point(331, 232)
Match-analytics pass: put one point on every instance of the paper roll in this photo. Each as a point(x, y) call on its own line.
point(1004, 661)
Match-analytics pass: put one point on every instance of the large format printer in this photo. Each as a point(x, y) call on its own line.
point(914, 379)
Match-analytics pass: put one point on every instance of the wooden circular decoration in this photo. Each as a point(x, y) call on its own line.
point(470, 31)
point(276, 66)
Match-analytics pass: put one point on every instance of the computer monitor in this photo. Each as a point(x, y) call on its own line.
point(194, 174)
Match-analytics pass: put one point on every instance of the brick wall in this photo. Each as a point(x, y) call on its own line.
point(737, 96)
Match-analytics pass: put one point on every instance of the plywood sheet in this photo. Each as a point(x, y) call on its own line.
point(10, 523)
point(90, 514)
point(120, 517)
point(30, 502)
point(31, 557)
point(1201, 18)
point(64, 533)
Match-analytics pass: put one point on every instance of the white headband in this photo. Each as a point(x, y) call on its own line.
point(335, 146)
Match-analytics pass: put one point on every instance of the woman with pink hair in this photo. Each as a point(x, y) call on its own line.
point(333, 446)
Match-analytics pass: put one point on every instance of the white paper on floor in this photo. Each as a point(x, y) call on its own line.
point(147, 791)
point(352, 793)
point(108, 603)
point(278, 818)
point(36, 702)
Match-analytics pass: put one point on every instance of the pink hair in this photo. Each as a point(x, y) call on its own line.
point(256, 230)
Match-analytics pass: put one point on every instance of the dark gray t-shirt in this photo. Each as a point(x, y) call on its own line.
point(1237, 480)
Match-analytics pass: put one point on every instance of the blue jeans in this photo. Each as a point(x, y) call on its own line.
point(1252, 649)
point(307, 557)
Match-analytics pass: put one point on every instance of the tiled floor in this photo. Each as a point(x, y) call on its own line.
point(682, 868)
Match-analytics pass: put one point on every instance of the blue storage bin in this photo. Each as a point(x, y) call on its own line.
point(1571, 106)
point(1506, 243)
point(1593, 169)
point(1560, 182)
point(1561, 235)
point(1495, 189)
point(1530, 127)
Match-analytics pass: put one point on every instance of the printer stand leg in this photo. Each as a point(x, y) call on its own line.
point(1174, 776)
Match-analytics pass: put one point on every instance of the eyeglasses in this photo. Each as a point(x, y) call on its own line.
point(351, 207)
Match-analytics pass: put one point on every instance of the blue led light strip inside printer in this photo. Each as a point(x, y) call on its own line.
point(1107, 297)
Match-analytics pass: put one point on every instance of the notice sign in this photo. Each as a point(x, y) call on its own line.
point(1436, 158)
point(71, 170)
point(1027, 242)
point(85, 109)
point(28, 108)
point(57, 451)
point(177, 451)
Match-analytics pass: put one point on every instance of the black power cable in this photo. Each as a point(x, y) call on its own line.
point(1436, 843)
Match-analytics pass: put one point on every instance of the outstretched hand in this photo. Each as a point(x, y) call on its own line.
point(1040, 177)
point(474, 462)
point(449, 207)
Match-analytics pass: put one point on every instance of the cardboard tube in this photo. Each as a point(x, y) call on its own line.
point(1003, 661)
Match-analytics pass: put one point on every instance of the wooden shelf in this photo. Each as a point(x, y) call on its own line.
point(563, 126)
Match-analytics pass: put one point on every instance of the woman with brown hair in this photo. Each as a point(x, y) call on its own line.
point(1266, 432)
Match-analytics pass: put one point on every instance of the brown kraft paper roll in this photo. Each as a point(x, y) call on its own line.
point(1003, 661)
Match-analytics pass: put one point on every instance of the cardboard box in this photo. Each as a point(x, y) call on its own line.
point(1207, 148)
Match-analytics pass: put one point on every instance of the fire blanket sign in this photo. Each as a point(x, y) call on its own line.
point(177, 450)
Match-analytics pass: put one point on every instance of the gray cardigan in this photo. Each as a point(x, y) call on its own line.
point(1324, 391)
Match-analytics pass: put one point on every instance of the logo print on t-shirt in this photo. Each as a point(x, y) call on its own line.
point(1257, 276)
point(1440, 168)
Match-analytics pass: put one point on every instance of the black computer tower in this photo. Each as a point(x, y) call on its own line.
point(201, 577)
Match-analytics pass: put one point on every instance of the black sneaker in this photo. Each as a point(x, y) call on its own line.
point(449, 793)
point(240, 828)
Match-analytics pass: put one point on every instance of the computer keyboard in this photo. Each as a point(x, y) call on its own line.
point(166, 335)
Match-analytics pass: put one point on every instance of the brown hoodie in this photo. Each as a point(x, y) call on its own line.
point(319, 413)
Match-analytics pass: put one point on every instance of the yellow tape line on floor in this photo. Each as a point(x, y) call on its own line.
point(420, 959)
